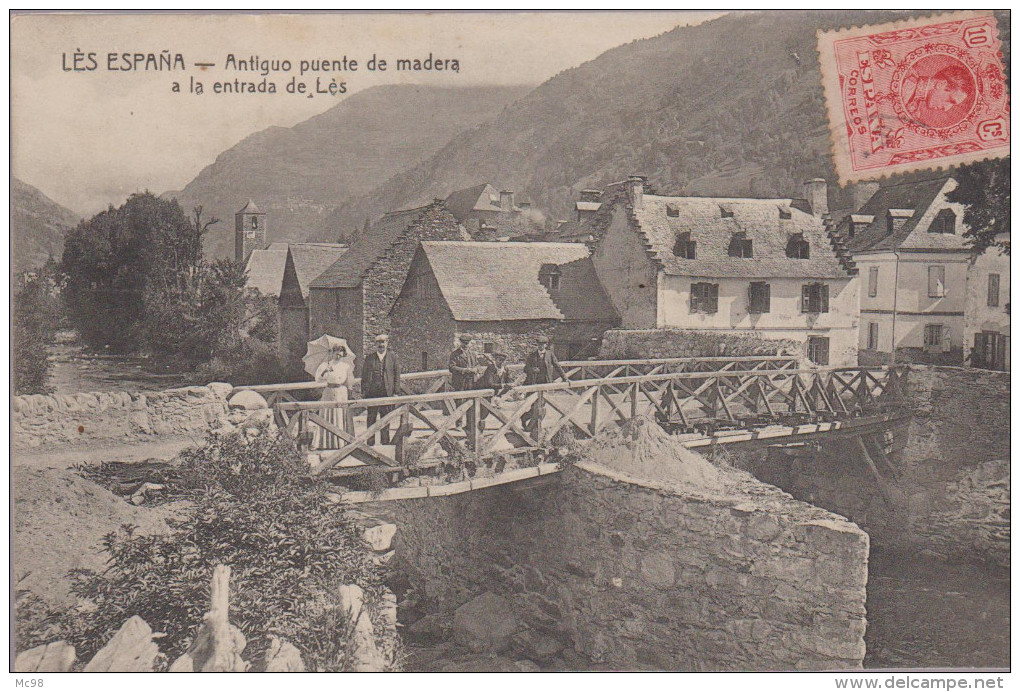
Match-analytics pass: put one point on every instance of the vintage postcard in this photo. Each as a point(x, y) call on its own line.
point(511, 342)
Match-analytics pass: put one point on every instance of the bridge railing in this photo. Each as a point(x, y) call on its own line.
point(432, 381)
point(432, 427)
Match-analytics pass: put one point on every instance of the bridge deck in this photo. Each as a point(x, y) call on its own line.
point(442, 428)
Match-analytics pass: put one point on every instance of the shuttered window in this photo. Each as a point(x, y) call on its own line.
point(993, 290)
point(872, 282)
point(873, 336)
point(758, 297)
point(814, 298)
point(936, 281)
point(705, 298)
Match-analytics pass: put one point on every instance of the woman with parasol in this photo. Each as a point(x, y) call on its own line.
point(331, 361)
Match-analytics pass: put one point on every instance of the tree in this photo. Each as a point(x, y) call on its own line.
point(36, 315)
point(112, 258)
point(983, 189)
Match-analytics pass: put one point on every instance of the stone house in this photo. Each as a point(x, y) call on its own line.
point(907, 242)
point(504, 295)
point(986, 313)
point(285, 271)
point(729, 267)
point(353, 296)
point(490, 214)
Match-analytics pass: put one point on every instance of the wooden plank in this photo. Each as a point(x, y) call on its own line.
point(874, 470)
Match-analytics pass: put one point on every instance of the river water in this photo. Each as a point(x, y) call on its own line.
point(73, 371)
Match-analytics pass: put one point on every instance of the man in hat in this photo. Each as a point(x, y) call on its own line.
point(540, 367)
point(496, 377)
point(464, 371)
point(380, 377)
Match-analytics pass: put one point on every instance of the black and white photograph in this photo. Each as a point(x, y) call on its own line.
point(511, 342)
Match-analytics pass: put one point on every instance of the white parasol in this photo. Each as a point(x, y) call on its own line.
point(325, 348)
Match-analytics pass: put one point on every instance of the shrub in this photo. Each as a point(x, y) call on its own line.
point(289, 546)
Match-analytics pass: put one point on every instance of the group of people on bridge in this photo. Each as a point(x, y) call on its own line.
point(380, 378)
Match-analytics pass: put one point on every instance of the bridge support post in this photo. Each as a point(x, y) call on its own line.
point(863, 448)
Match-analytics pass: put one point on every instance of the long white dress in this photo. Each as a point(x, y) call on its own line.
point(338, 374)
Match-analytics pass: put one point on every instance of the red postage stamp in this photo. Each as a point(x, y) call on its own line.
point(916, 94)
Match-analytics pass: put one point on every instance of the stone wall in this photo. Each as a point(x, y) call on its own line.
point(950, 493)
point(632, 574)
point(386, 276)
point(686, 343)
point(59, 421)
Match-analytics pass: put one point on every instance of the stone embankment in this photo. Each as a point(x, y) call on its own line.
point(642, 555)
point(950, 491)
point(66, 421)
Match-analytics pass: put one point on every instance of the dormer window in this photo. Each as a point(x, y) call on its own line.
point(684, 247)
point(549, 276)
point(798, 248)
point(672, 210)
point(785, 213)
point(895, 218)
point(741, 246)
point(944, 222)
point(726, 211)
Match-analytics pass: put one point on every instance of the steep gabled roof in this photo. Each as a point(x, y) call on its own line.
point(917, 196)
point(265, 269)
point(370, 245)
point(311, 259)
point(500, 281)
point(712, 222)
point(250, 208)
point(478, 198)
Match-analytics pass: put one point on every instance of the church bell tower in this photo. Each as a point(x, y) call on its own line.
point(249, 231)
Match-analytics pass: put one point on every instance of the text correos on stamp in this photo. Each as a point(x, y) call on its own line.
point(915, 95)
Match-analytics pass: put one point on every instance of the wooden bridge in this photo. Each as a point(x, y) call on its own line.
point(705, 401)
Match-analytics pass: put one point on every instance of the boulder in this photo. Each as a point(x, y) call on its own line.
point(283, 657)
point(248, 400)
point(368, 657)
point(55, 657)
point(220, 390)
point(131, 650)
point(429, 630)
point(486, 623)
point(380, 536)
point(537, 646)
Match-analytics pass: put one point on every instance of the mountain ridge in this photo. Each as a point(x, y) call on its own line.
point(299, 174)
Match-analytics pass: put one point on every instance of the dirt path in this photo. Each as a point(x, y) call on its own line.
point(66, 458)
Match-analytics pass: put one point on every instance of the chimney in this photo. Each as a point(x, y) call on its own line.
point(862, 192)
point(817, 193)
point(636, 191)
point(506, 200)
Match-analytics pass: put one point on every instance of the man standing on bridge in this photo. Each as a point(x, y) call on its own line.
point(464, 371)
point(541, 367)
point(380, 377)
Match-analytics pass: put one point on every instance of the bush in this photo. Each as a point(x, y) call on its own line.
point(289, 546)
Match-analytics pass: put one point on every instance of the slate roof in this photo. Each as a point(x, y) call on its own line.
point(311, 259)
point(499, 281)
point(265, 269)
point(349, 270)
point(918, 196)
point(482, 197)
point(712, 222)
point(250, 208)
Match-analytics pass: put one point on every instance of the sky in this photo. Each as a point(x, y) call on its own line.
point(88, 138)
